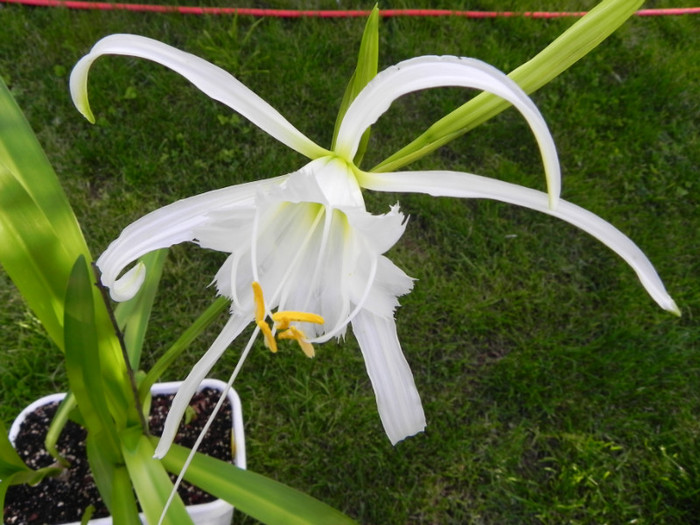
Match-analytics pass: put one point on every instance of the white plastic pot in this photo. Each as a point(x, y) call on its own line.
point(217, 512)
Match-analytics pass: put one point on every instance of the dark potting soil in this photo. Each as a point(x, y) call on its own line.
point(64, 498)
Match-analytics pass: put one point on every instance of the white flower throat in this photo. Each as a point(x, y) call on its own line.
point(311, 246)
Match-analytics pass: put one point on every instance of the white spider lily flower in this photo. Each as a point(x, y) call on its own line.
point(306, 238)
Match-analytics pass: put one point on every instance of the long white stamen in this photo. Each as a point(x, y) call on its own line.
point(328, 219)
point(209, 422)
point(276, 297)
point(342, 324)
point(254, 245)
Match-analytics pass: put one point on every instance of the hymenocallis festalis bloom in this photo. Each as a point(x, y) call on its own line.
point(304, 251)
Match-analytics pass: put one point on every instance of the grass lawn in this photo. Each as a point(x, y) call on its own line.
point(555, 390)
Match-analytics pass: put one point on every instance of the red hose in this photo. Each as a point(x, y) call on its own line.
point(292, 13)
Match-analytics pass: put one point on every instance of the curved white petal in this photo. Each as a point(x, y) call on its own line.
point(231, 330)
point(398, 401)
point(129, 284)
point(211, 79)
point(172, 224)
point(430, 72)
point(457, 184)
point(381, 232)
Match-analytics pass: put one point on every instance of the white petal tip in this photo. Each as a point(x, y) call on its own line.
point(394, 440)
point(129, 284)
point(78, 87)
point(673, 308)
point(161, 450)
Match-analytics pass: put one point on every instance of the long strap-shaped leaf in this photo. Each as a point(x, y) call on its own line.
point(133, 315)
point(83, 365)
point(150, 480)
point(21, 152)
point(39, 234)
point(260, 497)
point(366, 70)
point(32, 254)
point(40, 239)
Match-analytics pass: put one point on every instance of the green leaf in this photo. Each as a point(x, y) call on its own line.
point(13, 470)
point(566, 50)
point(67, 406)
point(102, 467)
point(133, 315)
point(21, 152)
point(40, 239)
point(83, 365)
point(366, 70)
point(39, 234)
point(23, 477)
point(32, 254)
point(123, 509)
point(150, 480)
point(260, 497)
point(10, 462)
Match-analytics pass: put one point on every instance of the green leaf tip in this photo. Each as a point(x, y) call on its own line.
point(366, 70)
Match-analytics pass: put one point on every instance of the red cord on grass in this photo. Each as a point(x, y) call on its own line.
point(292, 13)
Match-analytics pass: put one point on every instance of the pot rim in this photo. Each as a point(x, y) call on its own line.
point(217, 507)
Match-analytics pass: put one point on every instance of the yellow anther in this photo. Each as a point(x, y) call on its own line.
point(283, 318)
point(294, 333)
point(267, 336)
point(259, 302)
point(260, 317)
point(283, 322)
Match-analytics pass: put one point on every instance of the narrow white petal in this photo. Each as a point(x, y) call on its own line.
point(231, 330)
point(398, 401)
point(430, 72)
point(172, 224)
point(466, 185)
point(211, 79)
point(389, 283)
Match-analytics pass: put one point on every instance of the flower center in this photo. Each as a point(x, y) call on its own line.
point(282, 323)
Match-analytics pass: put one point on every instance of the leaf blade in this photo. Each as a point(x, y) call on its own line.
point(260, 497)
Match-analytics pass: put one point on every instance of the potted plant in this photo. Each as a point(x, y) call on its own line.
point(43, 250)
point(318, 246)
point(208, 511)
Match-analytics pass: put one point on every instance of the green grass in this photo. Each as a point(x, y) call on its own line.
point(555, 390)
